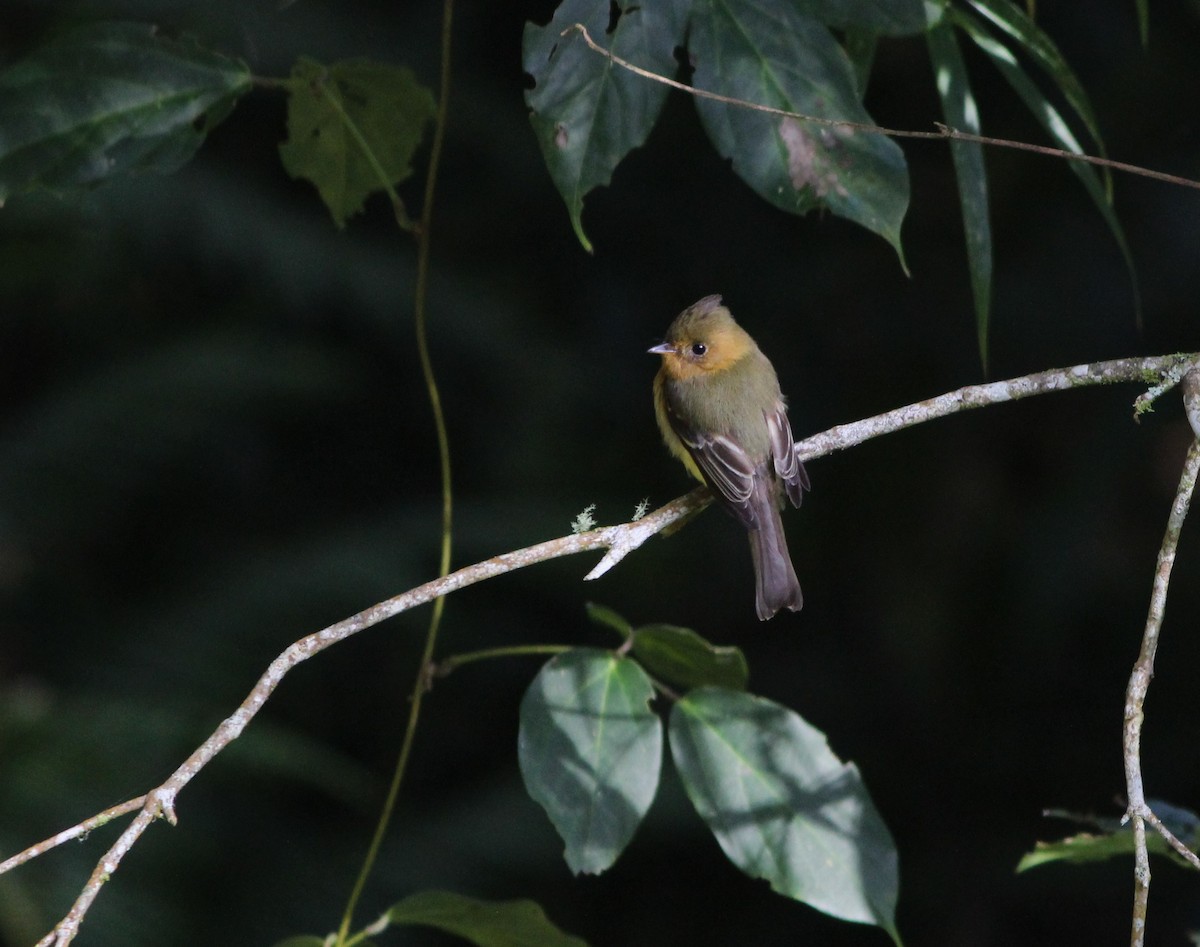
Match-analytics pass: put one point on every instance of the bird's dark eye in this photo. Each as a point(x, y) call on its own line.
point(699, 348)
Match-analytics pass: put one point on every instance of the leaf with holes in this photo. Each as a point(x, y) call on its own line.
point(590, 751)
point(352, 129)
point(587, 112)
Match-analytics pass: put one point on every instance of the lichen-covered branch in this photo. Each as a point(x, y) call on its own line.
point(617, 541)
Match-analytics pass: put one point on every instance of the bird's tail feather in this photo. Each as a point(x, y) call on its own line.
point(777, 585)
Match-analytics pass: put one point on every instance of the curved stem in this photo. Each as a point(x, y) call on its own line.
point(420, 305)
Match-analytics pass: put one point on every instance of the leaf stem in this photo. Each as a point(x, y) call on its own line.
point(451, 664)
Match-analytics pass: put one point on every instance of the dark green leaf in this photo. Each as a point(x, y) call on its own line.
point(301, 940)
point(590, 751)
point(110, 99)
point(783, 807)
point(603, 615)
point(486, 923)
point(352, 129)
point(774, 56)
point(885, 17)
point(684, 659)
point(588, 113)
point(961, 113)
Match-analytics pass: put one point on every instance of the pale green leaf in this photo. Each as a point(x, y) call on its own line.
point(352, 129)
point(590, 751)
point(783, 806)
point(110, 99)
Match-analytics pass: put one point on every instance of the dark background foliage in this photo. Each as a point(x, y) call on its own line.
point(214, 439)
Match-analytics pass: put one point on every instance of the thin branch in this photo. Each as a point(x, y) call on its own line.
point(618, 541)
point(1139, 682)
point(75, 832)
point(943, 133)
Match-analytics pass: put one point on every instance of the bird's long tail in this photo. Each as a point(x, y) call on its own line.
point(777, 585)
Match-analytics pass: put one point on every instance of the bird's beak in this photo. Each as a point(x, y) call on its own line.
point(665, 349)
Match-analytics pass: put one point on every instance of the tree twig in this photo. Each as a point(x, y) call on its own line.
point(1143, 671)
point(618, 541)
point(943, 133)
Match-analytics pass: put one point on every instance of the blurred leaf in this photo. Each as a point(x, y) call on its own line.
point(1056, 126)
point(783, 806)
point(603, 615)
point(1114, 839)
point(302, 940)
point(860, 47)
point(884, 17)
point(587, 112)
point(684, 659)
point(590, 751)
point(110, 99)
point(486, 923)
point(330, 107)
point(1143, 15)
point(961, 112)
point(778, 57)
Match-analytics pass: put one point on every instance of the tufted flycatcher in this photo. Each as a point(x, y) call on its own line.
point(719, 408)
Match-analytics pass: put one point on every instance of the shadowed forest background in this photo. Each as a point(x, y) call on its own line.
point(214, 439)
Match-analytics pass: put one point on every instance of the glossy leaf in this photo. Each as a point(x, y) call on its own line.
point(590, 751)
point(588, 113)
point(110, 99)
point(684, 659)
point(352, 129)
point(775, 56)
point(783, 806)
point(486, 923)
point(961, 113)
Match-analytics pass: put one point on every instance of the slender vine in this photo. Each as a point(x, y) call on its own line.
point(420, 308)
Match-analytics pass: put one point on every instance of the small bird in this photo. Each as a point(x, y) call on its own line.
point(719, 408)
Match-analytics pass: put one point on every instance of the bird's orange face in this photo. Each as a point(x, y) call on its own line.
point(703, 347)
